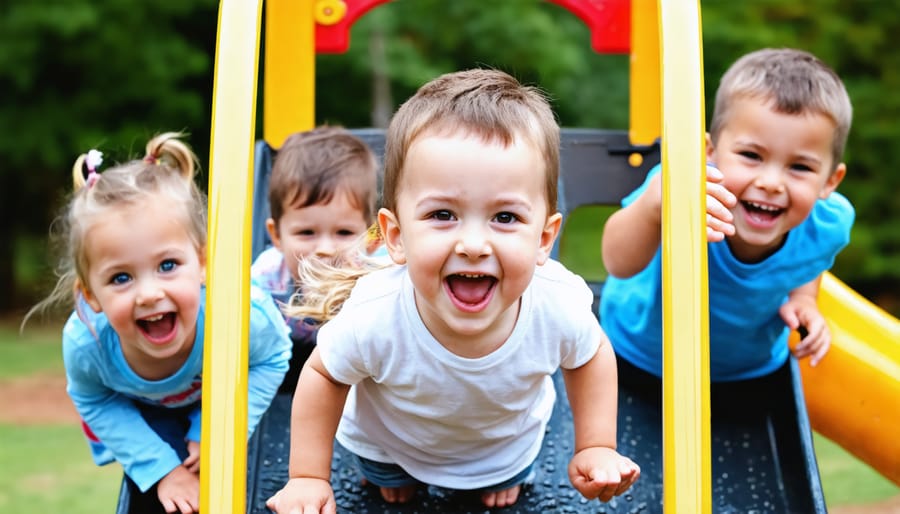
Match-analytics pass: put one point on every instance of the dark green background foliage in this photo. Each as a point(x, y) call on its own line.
point(78, 74)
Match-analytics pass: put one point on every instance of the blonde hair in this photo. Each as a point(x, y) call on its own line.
point(326, 285)
point(487, 103)
point(165, 173)
point(795, 81)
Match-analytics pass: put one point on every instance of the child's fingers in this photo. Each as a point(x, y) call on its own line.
point(713, 174)
point(168, 505)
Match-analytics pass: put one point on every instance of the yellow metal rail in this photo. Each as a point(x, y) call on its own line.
point(223, 451)
point(687, 476)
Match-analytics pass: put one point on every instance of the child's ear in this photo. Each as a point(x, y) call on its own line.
point(88, 296)
point(548, 237)
point(272, 229)
point(833, 180)
point(710, 150)
point(201, 257)
point(390, 231)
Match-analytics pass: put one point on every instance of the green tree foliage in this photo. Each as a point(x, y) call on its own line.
point(78, 74)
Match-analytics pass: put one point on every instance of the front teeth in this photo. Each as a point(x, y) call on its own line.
point(154, 318)
point(471, 275)
point(764, 207)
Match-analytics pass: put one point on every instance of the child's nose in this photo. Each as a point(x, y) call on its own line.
point(149, 292)
point(770, 179)
point(473, 242)
point(325, 247)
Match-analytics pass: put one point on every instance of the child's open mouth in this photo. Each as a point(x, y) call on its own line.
point(159, 328)
point(761, 214)
point(470, 292)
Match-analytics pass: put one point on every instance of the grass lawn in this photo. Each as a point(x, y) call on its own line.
point(48, 468)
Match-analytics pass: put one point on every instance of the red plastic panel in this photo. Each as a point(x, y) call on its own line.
point(608, 20)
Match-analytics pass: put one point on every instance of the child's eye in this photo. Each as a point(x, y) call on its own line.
point(346, 233)
point(305, 232)
point(120, 278)
point(801, 167)
point(167, 265)
point(505, 217)
point(749, 155)
point(442, 215)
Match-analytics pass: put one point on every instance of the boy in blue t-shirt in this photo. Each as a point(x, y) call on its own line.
point(775, 223)
point(322, 196)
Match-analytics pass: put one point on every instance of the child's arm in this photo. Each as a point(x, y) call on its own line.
point(112, 417)
point(315, 413)
point(802, 310)
point(632, 234)
point(596, 469)
point(270, 352)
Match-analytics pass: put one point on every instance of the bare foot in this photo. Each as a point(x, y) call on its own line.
point(502, 498)
point(398, 494)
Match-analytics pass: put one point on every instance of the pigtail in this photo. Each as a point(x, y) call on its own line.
point(325, 286)
point(168, 150)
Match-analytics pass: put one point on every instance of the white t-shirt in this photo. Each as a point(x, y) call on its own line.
point(447, 420)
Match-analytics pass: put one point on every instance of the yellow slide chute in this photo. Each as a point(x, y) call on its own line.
point(853, 395)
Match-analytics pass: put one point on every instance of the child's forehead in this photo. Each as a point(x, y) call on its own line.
point(465, 133)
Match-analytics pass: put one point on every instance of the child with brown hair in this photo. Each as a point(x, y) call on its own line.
point(450, 351)
point(775, 223)
point(322, 195)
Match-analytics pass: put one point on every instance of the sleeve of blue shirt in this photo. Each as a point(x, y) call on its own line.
point(270, 352)
point(193, 433)
point(112, 417)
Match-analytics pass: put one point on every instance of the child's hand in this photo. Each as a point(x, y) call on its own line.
point(602, 473)
point(192, 462)
point(719, 201)
point(802, 311)
point(304, 496)
point(179, 491)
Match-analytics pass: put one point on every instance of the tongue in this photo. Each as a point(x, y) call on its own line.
point(470, 290)
point(762, 216)
point(160, 328)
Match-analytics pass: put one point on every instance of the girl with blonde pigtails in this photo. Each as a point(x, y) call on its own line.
point(134, 265)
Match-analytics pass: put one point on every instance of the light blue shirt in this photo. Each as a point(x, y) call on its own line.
point(103, 386)
point(747, 336)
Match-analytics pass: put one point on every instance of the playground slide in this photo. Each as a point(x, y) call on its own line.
point(853, 395)
point(762, 454)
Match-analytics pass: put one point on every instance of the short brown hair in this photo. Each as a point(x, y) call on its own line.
point(313, 165)
point(795, 81)
point(487, 103)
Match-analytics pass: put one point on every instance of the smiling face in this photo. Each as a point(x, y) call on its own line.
point(145, 273)
point(777, 165)
point(322, 229)
point(471, 224)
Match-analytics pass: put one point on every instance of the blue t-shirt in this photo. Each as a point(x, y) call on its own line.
point(747, 336)
point(103, 386)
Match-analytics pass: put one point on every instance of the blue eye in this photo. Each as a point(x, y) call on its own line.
point(167, 265)
point(120, 278)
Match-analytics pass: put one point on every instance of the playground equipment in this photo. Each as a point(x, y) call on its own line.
point(697, 454)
